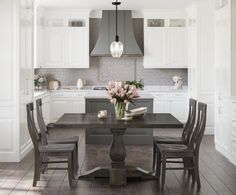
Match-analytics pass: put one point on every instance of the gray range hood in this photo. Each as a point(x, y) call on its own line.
point(107, 34)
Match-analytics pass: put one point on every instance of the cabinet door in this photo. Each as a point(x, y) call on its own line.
point(161, 106)
point(60, 107)
point(179, 109)
point(155, 47)
point(177, 47)
point(79, 106)
point(78, 51)
point(54, 47)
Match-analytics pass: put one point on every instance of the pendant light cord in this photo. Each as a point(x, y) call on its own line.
point(117, 37)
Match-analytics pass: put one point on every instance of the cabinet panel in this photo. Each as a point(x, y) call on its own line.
point(155, 47)
point(54, 47)
point(78, 47)
point(160, 106)
point(177, 47)
point(179, 109)
point(79, 107)
point(60, 107)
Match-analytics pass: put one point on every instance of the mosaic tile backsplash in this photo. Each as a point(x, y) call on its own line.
point(103, 69)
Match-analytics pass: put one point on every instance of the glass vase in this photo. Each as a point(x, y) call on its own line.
point(120, 108)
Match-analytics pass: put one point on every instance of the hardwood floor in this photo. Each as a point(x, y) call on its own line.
point(218, 175)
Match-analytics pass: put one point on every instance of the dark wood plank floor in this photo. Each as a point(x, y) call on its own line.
point(218, 175)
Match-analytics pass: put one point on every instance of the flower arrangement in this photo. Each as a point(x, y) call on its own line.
point(39, 80)
point(120, 94)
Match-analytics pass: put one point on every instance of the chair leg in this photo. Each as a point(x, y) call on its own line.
point(76, 159)
point(154, 158)
point(196, 164)
point(44, 159)
point(37, 168)
point(70, 169)
point(193, 171)
point(75, 167)
point(158, 167)
point(163, 172)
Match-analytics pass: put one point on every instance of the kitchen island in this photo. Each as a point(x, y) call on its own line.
point(97, 100)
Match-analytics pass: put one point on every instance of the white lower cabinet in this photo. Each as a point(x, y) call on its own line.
point(62, 103)
point(174, 103)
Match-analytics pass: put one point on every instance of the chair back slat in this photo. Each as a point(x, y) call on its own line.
point(188, 129)
point(41, 123)
point(35, 137)
point(199, 130)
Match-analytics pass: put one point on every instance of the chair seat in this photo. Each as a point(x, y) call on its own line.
point(70, 140)
point(50, 125)
point(168, 140)
point(174, 149)
point(57, 148)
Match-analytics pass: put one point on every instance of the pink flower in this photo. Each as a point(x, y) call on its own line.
point(119, 91)
point(113, 101)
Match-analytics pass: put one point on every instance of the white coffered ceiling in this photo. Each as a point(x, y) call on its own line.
point(106, 4)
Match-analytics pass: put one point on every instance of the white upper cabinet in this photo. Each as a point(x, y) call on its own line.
point(55, 47)
point(177, 47)
point(78, 48)
point(65, 39)
point(165, 42)
point(155, 48)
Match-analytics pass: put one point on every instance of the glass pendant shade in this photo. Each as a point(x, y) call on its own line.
point(116, 49)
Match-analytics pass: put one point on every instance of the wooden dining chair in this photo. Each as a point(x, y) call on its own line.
point(44, 134)
point(186, 134)
point(65, 151)
point(177, 151)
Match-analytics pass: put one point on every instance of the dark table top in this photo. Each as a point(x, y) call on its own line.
point(149, 120)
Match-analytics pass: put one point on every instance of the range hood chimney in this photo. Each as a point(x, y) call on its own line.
point(107, 34)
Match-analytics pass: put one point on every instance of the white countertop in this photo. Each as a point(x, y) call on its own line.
point(41, 93)
point(87, 92)
point(93, 94)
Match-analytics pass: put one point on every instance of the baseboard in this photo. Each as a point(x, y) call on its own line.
point(222, 149)
point(25, 149)
point(233, 160)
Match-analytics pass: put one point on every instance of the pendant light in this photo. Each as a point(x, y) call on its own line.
point(116, 46)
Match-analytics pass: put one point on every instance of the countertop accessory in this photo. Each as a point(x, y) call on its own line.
point(53, 85)
point(137, 112)
point(178, 82)
point(99, 88)
point(38, 81)
point(102, 114)
point(116, 46)
point(80, 84)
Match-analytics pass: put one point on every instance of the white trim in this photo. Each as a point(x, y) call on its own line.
point(233, 160)
point(25, 149)
point(222, 149)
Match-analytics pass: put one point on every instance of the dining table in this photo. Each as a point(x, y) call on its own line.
point(118, 172)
